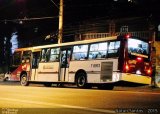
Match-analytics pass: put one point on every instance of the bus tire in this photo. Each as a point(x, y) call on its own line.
point(24, 80)
point(81, 80)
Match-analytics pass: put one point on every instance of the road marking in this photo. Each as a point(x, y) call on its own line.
point(59, 105)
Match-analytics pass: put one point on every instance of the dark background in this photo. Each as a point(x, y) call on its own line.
point(28, 19)
point(76, 12)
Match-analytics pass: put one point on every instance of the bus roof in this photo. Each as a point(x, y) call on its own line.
point(68, 43)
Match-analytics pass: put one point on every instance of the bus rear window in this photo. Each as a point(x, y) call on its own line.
point(138, 48)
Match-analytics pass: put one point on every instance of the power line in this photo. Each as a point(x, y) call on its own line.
point(28, 19)
point(54, 4)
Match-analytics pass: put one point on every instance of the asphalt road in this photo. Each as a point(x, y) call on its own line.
point(16, 99)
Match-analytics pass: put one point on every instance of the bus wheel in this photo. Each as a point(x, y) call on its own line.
point(106, 86)
point(24, 81)
point(81, 80)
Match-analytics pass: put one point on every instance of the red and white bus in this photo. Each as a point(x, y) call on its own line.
point(100, 62)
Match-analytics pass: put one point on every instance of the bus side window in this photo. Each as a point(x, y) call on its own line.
point(113, 50)
point(45, 55)
point(98, 50)
point(54, 55)
point(99, 55)
point(80, 52)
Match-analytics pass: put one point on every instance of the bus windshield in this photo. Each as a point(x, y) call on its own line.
point(138, 48)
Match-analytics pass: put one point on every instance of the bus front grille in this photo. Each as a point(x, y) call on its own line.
point(106, 71)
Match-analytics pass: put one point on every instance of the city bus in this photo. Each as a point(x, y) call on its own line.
point(96, 62)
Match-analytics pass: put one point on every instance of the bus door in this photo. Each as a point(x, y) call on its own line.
point(64, 64)
point(35, 62)
point(26, 62)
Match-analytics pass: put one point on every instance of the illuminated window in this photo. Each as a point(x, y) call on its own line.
point(113, 50)
point(54, 56)
point(80, 52)
point(98, 50)
point(137, 46)
point(45, 55)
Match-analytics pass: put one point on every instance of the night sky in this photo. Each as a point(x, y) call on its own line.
point(75, 12)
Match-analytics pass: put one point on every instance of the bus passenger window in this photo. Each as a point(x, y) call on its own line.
point(54, 55)
point(54, 58)
point(113, 50)
point(98, 50)
point(99, 55)
point(80, 52)
point(45, 55)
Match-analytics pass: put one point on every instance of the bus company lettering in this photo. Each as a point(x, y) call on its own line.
point(47, 67)
point(95, 65)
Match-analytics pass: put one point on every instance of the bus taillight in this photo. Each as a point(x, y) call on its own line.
point(149, 71)
point(127, 36)
point(126, 67)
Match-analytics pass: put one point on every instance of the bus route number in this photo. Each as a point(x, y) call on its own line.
point(95, 65)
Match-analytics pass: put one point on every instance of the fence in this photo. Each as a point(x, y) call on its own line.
point(148, 35)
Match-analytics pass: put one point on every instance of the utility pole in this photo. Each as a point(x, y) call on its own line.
point(60, 32)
